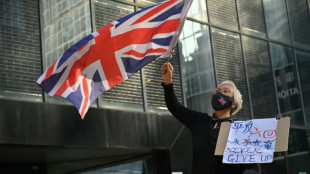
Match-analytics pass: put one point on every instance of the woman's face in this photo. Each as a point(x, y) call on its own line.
point(227, 90)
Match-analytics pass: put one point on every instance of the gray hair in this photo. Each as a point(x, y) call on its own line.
point(237, 96)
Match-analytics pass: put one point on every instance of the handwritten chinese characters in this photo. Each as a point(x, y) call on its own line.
point(251, 141)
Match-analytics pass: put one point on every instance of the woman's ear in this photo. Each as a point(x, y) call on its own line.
point(234, 105)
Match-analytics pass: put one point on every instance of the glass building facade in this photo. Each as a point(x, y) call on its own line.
point(261, 45)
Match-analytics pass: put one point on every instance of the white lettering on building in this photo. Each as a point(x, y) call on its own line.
point(287, 93)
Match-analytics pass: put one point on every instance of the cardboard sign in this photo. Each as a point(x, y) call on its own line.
point(281, 140)
point(251, 141)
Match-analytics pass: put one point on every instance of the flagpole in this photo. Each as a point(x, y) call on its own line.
point(170, 56)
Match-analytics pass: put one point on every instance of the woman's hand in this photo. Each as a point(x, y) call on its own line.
point(166, 71)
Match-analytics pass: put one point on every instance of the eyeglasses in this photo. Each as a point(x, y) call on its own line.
point(222, 90)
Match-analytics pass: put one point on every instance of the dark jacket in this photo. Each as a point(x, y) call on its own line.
point(205, 130)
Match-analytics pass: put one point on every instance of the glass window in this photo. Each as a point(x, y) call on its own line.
point(146, 3)
point(252, 17)
point(63, 25)
point(259, 73)
point(198, 10)
point(197, 66)
point(286, 77)
point(223, 13)
point(129, 168)
point(152, 80)
point(308, 2)
point(107, 11)
point(297, 141)
point(298, 163)
point(278, 166)
point(59, 26)
point(137, 167)
point(276, 20)
point(230, 65)
point(20, 56)
point(300, 22)
point(303, 62)
point(297, 119)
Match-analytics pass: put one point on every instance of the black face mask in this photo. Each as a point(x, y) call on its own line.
point(221, 101)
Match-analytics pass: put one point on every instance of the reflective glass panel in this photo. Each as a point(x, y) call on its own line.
point(129, 168)
point(308, 2)
point(297, 119)
point(223, 13)
point(198, 10)
point(107, 11)
point(64, 24)
point(259, 73)
point(276, 20)
point(278, 166)
point(146, 3)
point(300, 22)
point(303, 62)
point(298, 163)
point(20, 56)
point(286, 77)
point(197, 66)
point(297, 141)
point(252, 17)
point(152, 80)
point(124, 1)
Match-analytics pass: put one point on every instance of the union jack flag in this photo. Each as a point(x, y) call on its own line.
point(222, 101)
point(115, 52)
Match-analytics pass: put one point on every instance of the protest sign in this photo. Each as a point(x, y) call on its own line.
point(283, 128)
point(251, 141)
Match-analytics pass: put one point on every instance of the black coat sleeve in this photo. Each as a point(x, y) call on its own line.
point(183, 114)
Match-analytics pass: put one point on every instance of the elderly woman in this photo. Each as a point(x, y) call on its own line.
point(226, 101)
